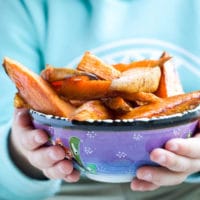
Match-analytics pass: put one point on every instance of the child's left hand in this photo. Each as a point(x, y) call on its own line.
point(179, 159)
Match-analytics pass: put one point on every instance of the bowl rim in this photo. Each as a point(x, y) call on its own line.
point(138, 124)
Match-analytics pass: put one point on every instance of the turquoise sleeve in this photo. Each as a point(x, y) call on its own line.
point(19, 40)
point(13, 183)
point(194, 178)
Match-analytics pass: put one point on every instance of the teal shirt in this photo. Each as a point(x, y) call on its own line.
point(58, 32)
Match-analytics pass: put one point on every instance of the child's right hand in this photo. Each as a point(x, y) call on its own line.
point(32, 157)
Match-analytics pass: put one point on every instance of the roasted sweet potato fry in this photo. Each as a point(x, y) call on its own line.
point(117, 104)
point(51, 73)
point(140, 96)
point(94, 65)
point(170, 105)
point(169, 83)
point(141, 79)
point(76, 103)
point(36, 91)
point(81, 88)
point(19, 102)
point(98, 91)
point(94, 110)
point(143, 63)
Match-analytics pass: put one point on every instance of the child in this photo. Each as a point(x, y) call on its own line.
point(58, 32)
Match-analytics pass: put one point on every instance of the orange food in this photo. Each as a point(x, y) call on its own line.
point(141, 96)
point(141, 79)
point(117, 104)
point(170, 84)
point(94, 110)
point(97, 91)
point(170, 105)
point(36, 91)
point(142, 63)
point(51, 73)
point(19, 102)
point(81, 88)
point(94, 65)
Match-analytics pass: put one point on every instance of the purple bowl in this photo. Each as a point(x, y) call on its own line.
point(112, 150)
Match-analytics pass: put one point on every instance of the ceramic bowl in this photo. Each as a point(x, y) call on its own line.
point(112, 150)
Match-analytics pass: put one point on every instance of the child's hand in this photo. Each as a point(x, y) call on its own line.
point(179, 159)
point(28, 142)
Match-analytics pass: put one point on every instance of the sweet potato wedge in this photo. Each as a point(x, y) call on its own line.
point(141, 96)
point(19, 102)
point(170, 105)
point(51, 73)
point(36, 91)
point(94, 65)
point(141, 79)
point(169, 83)
point(81, 88)
point(94, 110)
point(142, 63)
point(117, 104)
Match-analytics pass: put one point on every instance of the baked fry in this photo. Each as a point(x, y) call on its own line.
point(81, 88)
point(51, 73)
point(170, 105)
point(140, 96)
point(141, 79)
point(94, 110)
point(98, 91)
point(170, 84)
point(94, 65)
point(19, 102)
point(143, 63)
point(117, 104)
point(36, 91)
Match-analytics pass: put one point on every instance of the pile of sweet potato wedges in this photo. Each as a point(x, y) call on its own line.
point(97, 90)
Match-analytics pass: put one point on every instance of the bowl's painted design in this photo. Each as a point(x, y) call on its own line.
point(113, 151)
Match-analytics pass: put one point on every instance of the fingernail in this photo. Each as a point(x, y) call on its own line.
point(173, 147)
point(53, 156)
point(62, 170)
point(147, 176)
point(18, 113)
point(161, 159)
point(39, 139)
point(69, 178)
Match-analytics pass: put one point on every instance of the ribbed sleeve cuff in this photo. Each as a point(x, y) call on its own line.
point(13, 183)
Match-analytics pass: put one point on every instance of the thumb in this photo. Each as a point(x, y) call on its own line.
point(22, 118)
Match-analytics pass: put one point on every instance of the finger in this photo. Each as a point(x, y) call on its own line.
point(22, 118)
point(141, 185)
point(46, 157)
point(73, 177)
point(160, 176)
point(186, 147)
point(175, 162)
point(59, 170)
point(33, 139)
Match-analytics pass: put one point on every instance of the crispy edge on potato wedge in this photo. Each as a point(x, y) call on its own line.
point(141, 97)
point(36, 91)
point(170, 83)
point(141, 63)
point(141, 79)
point(170, 105)
point(81, 88)
point(19, 102)
point(91, 110)
point(91, 63)
point(51, 73)
point(117, 104)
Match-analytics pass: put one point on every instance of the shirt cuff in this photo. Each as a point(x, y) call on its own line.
point(194, 178)
point(13, 183)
